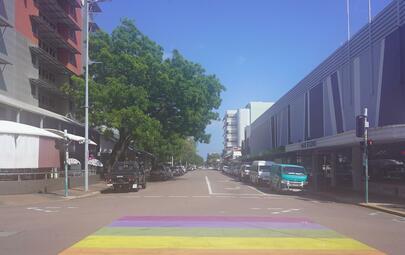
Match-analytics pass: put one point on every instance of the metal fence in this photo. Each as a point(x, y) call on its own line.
point(26, 175)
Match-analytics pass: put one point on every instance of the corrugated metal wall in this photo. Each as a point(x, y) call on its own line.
point(357, 86)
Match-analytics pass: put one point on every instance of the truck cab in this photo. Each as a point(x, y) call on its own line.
point(126, 175)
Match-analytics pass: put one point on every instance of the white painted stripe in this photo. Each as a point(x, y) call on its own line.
point(379, 85)
point(357, 82)
point(178, 196)
point(332, 112)
point(208, 185)
point(152, 196)
point(200, 196)
point(258, 191)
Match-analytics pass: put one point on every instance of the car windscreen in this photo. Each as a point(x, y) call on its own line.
point(264, 168)
point(294, 170)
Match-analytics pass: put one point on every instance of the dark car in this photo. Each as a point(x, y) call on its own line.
point(126, 175)
point(161, 173)
point(386, 169)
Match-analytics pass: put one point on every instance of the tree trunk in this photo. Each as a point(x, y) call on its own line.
point(119, 149)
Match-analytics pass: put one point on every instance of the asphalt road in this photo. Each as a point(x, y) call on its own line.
point(52, 227)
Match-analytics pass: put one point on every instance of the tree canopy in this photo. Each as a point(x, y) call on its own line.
point(155, 103)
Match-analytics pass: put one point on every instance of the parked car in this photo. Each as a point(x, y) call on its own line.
point(260, 172)
point(126, 175)
point(288, 177)
point(386, 169)
point(161, 173)
point(244, 172)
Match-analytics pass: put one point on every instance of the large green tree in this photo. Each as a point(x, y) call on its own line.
point(155, 103)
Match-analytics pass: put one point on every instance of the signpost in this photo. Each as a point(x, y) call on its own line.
point(66, 147)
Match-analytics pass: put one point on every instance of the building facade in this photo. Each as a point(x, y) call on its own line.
point(40, 50)
point(315, 121)
point(235, 123)
point(230, 124)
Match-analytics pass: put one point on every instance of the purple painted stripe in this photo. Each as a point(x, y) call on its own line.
point(218, 224)
point(213, 218)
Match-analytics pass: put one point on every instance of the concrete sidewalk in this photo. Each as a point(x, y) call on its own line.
point(383, 203)
point(37, 198)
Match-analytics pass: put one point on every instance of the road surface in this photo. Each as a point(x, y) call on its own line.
point(225, 215)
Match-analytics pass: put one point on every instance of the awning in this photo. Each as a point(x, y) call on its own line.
point(34, 109)
point(10, 127)
point(71, 137)
point(95, 162)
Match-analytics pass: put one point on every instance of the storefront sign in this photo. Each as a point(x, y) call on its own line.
point(309, 144)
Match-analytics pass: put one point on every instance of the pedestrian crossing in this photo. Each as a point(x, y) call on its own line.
point(216, 235)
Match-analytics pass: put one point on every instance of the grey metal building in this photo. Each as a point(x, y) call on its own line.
point(314, 122)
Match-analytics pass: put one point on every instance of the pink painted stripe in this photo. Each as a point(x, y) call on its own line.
point(215, 218)
point(217, 224)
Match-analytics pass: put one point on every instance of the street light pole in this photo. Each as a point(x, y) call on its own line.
point(86, 106)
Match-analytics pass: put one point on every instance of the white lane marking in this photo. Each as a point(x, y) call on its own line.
point(275, 213)
point(401, 220)
point(208, 185)
point(152, 196)
point(223, 196)
point(251, 197)
point(275, 208)
point(260, 192)
point(200, 196)
point(374, 213)
point(255, 208)
point(71, 207)
point(233, 188)
point(178, 196)
point(132, 196)
point(295, 209)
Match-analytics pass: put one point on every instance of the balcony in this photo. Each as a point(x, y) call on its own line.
point(48, 33)
point(47, 85)
point(48, 61)
point(56, 13)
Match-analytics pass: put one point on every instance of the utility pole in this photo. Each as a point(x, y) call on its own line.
point(362, 126)
point(365, 159)
point(86, 106)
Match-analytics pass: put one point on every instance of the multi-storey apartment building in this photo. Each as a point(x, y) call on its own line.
point(230, 131)
point(40, 49)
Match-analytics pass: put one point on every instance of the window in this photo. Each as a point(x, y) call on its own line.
point(34, 91)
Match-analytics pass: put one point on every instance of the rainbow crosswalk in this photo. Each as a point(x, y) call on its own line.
point(212, 235)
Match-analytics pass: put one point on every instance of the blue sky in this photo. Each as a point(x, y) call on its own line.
point(259, 49)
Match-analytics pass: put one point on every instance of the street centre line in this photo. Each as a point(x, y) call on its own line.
point(200, 196)
point(178, 196)
point(151, 196)
point(208, 185)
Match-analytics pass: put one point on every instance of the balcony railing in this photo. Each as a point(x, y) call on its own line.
point(56, 13)
point(47, 85)
point(48, 33)
point(48, 61)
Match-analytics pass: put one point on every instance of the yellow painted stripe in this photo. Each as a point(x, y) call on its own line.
point(169, 242)
point(121, 251)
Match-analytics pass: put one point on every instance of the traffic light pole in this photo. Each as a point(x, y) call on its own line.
point(365, 158)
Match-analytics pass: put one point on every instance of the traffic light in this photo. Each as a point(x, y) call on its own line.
point(360, 125)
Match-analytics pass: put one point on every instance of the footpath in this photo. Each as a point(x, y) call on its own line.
point(59, 195)
point(388, 204)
